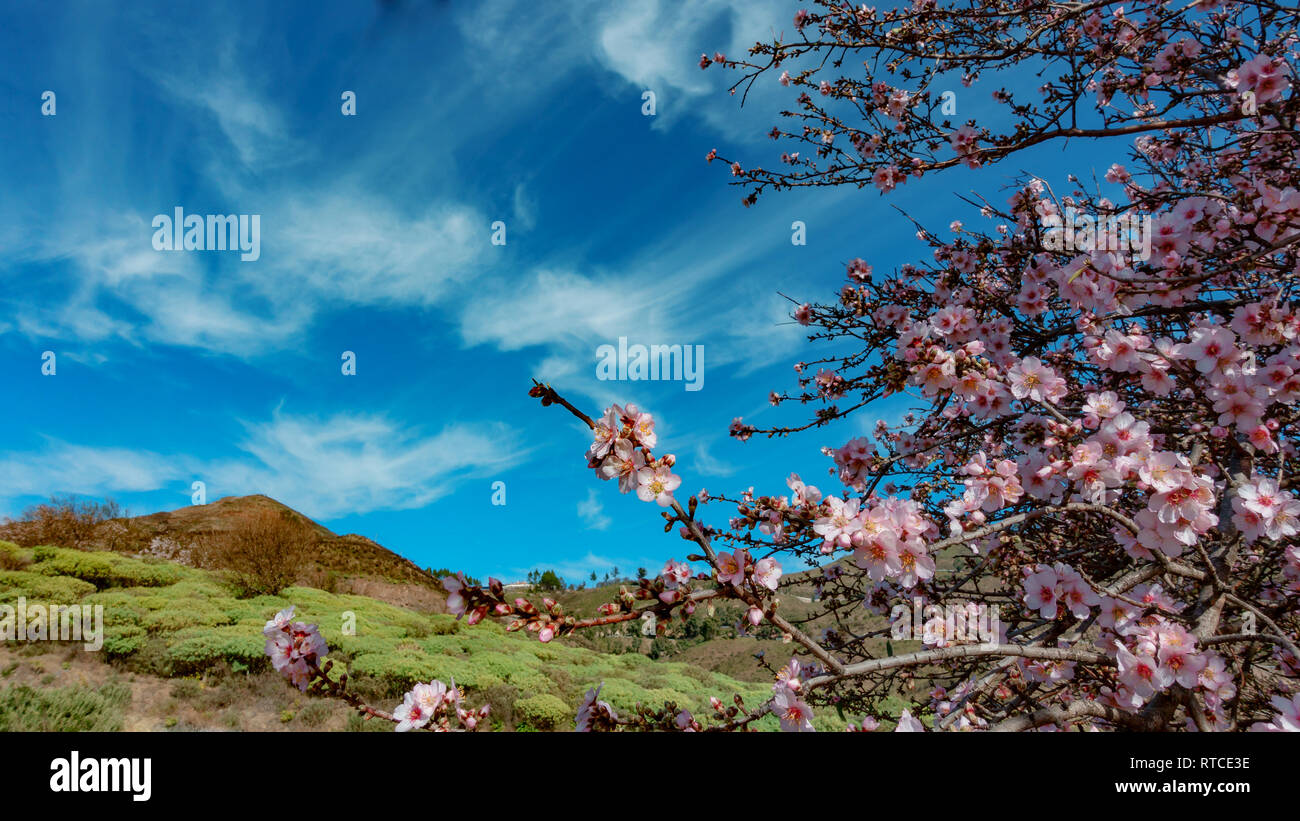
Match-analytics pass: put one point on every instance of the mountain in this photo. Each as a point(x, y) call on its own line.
point(346, 563)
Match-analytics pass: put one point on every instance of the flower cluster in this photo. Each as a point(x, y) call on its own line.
point(594, 714)
point(621, 449)
point(1264, 510)
point(295, 648)
point(434, 706)
point(788, 702)
point(1049, 589)
point(887, 536)
point(1154, 653)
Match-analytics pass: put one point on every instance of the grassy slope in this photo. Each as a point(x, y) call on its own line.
point(166, 621)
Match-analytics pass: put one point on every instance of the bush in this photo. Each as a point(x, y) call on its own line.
point(262, 553)
point(69, 521)
point(121, 640)
point(105, 569)
point(37, 586)
point(203, 650)
point(13, 557)
point(315, 713)
point(542, 712)
point(69, 709)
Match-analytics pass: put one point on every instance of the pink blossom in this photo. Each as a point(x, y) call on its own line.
point(908, 724)
point(1041, 593)
point(657, 485)
point(767, 573)
point(794, 713)
point(592, 709)
point(675, 573)
point(731, 567)
point(1031, 379)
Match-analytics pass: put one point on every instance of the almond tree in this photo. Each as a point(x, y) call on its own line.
point(1102, 383)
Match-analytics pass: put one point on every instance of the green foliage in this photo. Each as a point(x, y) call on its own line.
point(550, 580)
point(38, 587)
point(197, 650)
point(68, 709)
point(185, 623)
point(13, 557)
point(442, 572)
point(543, 712)
point(123, 640)
point(103, 569)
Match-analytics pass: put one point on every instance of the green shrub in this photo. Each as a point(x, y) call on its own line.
point(203, 649)
point(39, 587)
point(542, 712)
point(68, 709)
point(444, 625)
point(107, 569)
point(181, 613)
point(122, 640)
point(13, 557)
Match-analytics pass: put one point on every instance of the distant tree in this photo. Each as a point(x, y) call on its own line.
point(443, 572)
point(640, 573)
point(550, 580)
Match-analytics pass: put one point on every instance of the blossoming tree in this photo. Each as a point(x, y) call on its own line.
point(1099, 440)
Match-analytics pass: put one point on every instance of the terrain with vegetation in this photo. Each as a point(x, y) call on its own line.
point(183, 647)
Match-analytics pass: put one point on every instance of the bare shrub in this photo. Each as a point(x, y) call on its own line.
point(261, 553)
point(64, 521)
point(121, 535)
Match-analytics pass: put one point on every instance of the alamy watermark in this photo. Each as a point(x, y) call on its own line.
point(53, 622)
point(681, 363)
point(211, 232)
point(126, 775)
point(1116, 233)
point(948, 624)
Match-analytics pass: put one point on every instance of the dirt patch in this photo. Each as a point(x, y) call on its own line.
point(413, 597)
point(221, 701)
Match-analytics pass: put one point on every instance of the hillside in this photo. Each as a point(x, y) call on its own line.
point(343, 563)
point(181, 652)
point(716, 639)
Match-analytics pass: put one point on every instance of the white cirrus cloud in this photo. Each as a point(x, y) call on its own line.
point(592, 511)
point(324, 467)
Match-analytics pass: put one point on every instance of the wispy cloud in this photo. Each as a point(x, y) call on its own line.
point(592, 511)
point(255, 129)
point(356, 463)
point(707, 464)
point(61, 467)
point(324, 467)
point(525, 207)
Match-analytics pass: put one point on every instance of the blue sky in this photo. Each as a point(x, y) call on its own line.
point(175, 367)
